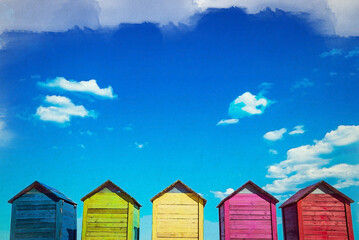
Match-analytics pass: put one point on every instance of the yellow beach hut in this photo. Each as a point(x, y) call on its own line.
point(110, 213)
point(177, 213)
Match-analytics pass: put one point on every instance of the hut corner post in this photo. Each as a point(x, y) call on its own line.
point(58, 218)
point(84, 221)
point(130, 223)
point(300, 220)
point(154, 220)
point(226, 220)
point(13, 223)
point(200, 220)
point(274, 221)
point(349, 221)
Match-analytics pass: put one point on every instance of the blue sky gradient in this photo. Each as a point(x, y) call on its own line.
point(173, 85)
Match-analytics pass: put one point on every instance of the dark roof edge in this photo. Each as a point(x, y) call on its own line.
point(42, 188)
point(170, 186)
point(242, 187)
point(307, 190)
point(102, 186)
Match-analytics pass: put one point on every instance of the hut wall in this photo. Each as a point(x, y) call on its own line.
point(105, 216)
point(136, 223)
point(222, 222)
point(178, 216)
point(290, 222)
point(68, 220)
point(33, 217)
point(250, 216)
point(323, 217)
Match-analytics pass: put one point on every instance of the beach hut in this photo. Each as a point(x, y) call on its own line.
point(177, 213)
point(317, 212)
point(42, 212)
point(110, 213)
point(248, 213)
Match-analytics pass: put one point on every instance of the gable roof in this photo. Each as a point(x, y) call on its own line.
point(43, 189)
point(259, 189)
point(306, 191)
point(172, 185)
point(113, 187)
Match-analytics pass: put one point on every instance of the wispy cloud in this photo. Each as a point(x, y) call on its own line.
point(275, 135)
point(110, 129)
point(306, 163)
point(128, 128)
point(5, 134)
point(304, 83)
point(331, 53)
point(247, 104)
point(225, 122)
point(88, 132)
point(222, 195)
point(141, 145)
point(353, 53)
point(297, 130)
point(60, 109)
point(273, 151)
point(89, 87)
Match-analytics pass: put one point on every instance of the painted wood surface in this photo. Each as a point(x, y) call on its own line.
point(177, 214)
point(317, 212)
point(323, 216)
point(110, 215)
point(36, 215)
point(249, 213)
point(290, 222)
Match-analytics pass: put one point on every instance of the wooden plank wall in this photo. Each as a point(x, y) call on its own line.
point(290, 222)
point(33, 217)
point(221, 222)
point(178, 216)
point(250, 217)
point(324, 217)
point(68, 221)
point(105, 217)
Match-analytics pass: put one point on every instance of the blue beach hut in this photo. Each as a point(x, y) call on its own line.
point(42, 212)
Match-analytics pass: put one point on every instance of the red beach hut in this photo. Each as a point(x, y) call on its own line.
point(248, 213)
point(317, 212)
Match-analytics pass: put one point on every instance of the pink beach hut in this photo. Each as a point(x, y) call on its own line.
point(248, 213)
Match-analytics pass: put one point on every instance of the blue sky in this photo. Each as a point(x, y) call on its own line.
point(215, 98)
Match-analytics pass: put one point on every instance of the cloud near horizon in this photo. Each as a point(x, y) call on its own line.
point(89, 87)
point(307, 163)
point(327, 16)
point(222, 195)
point(61, 109)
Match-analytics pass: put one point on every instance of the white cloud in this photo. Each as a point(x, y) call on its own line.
point(225, 122)
point(246, 105)
point(275, 135)
point(273, 151)
point(306, 163)
point(82, 146)
point(297, 130)
point(5, 134)
point(222, 195)
point(89, 87)
point(353, 53)
point(304, 83)
point(110, 129)
point(61, 109)
point(331, 53)
point(140, 145)
point(329, 16)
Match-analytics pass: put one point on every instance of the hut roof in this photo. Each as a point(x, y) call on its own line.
point(306, 191)
point(259, 189)
point(173, 185)
point(113, 187)
point(43, 189)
